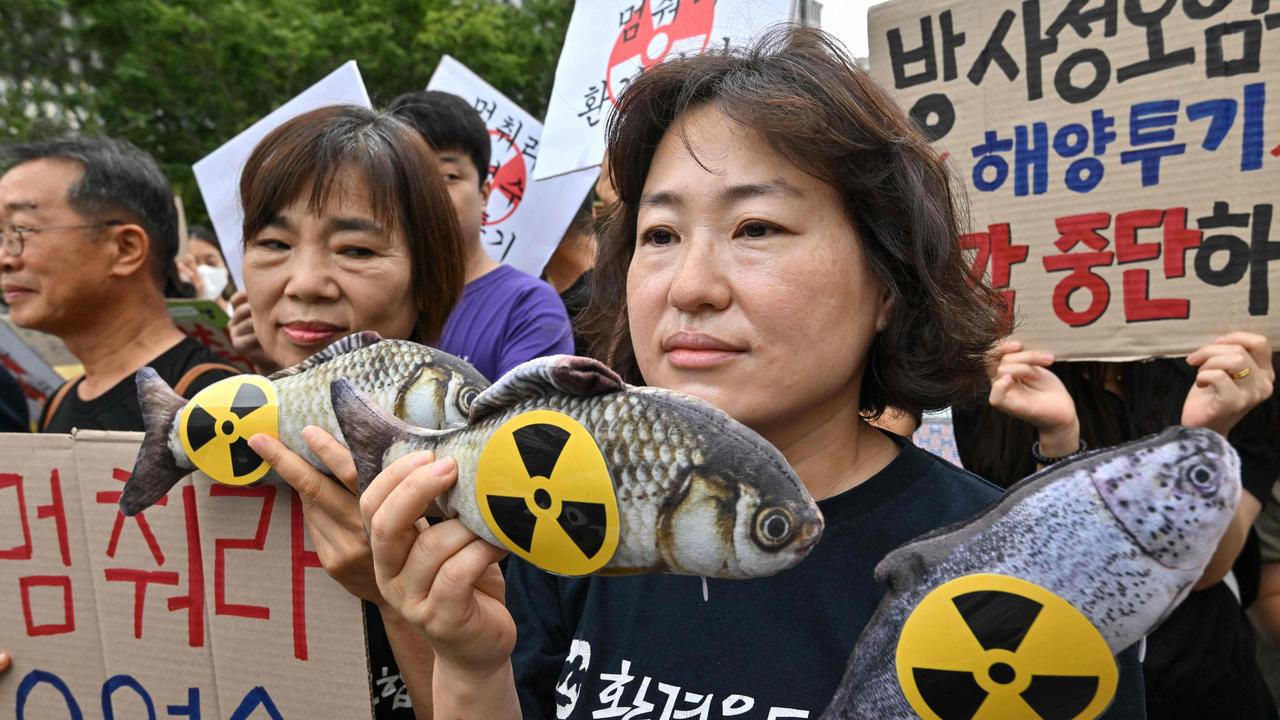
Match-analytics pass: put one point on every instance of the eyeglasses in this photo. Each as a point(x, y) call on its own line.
point(13, 238)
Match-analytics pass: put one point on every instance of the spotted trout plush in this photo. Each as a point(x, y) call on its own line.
point(567, 466)
point(421, 385)
point(1018, 612)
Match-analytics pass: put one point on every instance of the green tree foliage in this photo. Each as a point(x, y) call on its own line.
point(180, 77)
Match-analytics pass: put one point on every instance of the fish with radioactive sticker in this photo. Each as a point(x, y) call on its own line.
point(421, 385)
point(1019, 611)
point(570, 468)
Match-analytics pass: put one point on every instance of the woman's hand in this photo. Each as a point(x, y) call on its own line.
point(243, 338)
point(1235, 375)
point(331, 509)
point(442, 578)
point(1022, 386)
point(188, 273)
point(6, 661)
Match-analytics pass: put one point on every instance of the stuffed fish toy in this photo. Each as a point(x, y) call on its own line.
point(1019, 612)
point(572, 469)
point(423, 386)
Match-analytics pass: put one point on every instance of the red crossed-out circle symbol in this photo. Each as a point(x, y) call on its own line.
point(510, 178)
point(645, 41)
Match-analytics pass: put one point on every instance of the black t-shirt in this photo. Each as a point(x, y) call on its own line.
point(599, 646)
point(391, 699)
point(575, 299)
point(13, 405)
point(117, 408)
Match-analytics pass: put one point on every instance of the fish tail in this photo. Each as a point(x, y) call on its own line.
point(369, 430)
point(156, 470)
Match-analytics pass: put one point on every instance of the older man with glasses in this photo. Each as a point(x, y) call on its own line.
point(88, 237)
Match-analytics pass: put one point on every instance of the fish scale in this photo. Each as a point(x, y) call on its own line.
point(1073, 530)
point(691, 510)
point(425, 386)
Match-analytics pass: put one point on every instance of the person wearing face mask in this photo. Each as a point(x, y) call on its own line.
point(348, 228)
point(89, 234)
point(206, 268)
point(785, 249)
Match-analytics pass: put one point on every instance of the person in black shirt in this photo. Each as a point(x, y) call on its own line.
point(89, 235)
point(785, 249)
point(14, 415)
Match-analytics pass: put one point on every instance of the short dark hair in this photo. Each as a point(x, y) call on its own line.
point(447, 122)
point(118, 179)
point(309, 152)
point(799, 89)
point(200, 232)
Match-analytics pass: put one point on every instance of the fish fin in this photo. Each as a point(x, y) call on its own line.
point(156, 470)
point(543, 376)
point(337, 348)
point(901, 566)
point(369, 430)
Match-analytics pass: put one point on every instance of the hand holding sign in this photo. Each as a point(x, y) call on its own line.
point(1235, 376)
point(1023, 386)
point(6, 661)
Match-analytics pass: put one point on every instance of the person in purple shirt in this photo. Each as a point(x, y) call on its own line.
point(505, 316)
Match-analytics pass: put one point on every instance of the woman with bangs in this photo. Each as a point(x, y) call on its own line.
point(347, 228)
point(784, 247)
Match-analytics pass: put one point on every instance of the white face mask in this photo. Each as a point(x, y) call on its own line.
point(215, 281)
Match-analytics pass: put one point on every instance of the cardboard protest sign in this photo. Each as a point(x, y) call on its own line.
point(1121, 160)
point(208, 604)
point(207, 322)
point(610, 42)
point(36, 377)
point(218, 174)
point(524, 220)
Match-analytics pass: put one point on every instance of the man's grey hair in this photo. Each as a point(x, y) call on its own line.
point(120, 182)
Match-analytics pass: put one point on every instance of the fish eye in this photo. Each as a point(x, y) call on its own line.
point(1201, 478)
point(773, 527)
point(467, 397)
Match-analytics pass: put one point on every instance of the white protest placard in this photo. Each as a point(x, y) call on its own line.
point(524, 220)
point(211, 603)
point(218, 174)
point(1121, 160)
point(610, 42)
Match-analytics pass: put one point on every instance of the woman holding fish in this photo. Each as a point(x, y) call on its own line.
point(348, 228)
point(784, 249)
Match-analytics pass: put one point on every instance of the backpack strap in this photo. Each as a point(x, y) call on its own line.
point(185, 382)
point(51, 407)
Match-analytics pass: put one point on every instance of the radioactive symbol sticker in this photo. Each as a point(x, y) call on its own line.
point(216, 425)
point(993, 646)
point(544, 489)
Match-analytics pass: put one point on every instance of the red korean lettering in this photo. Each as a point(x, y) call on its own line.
point(301, 560)
point(61, 582)
point(995, 247)
point(140, 579)
point(1139, 306)
point(1077, 230)
point(113, 498)
point(266, 493)
point(22, 551)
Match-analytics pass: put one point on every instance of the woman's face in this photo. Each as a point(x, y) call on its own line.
point(748, 287)
point(205, 253)
point(312, 278)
